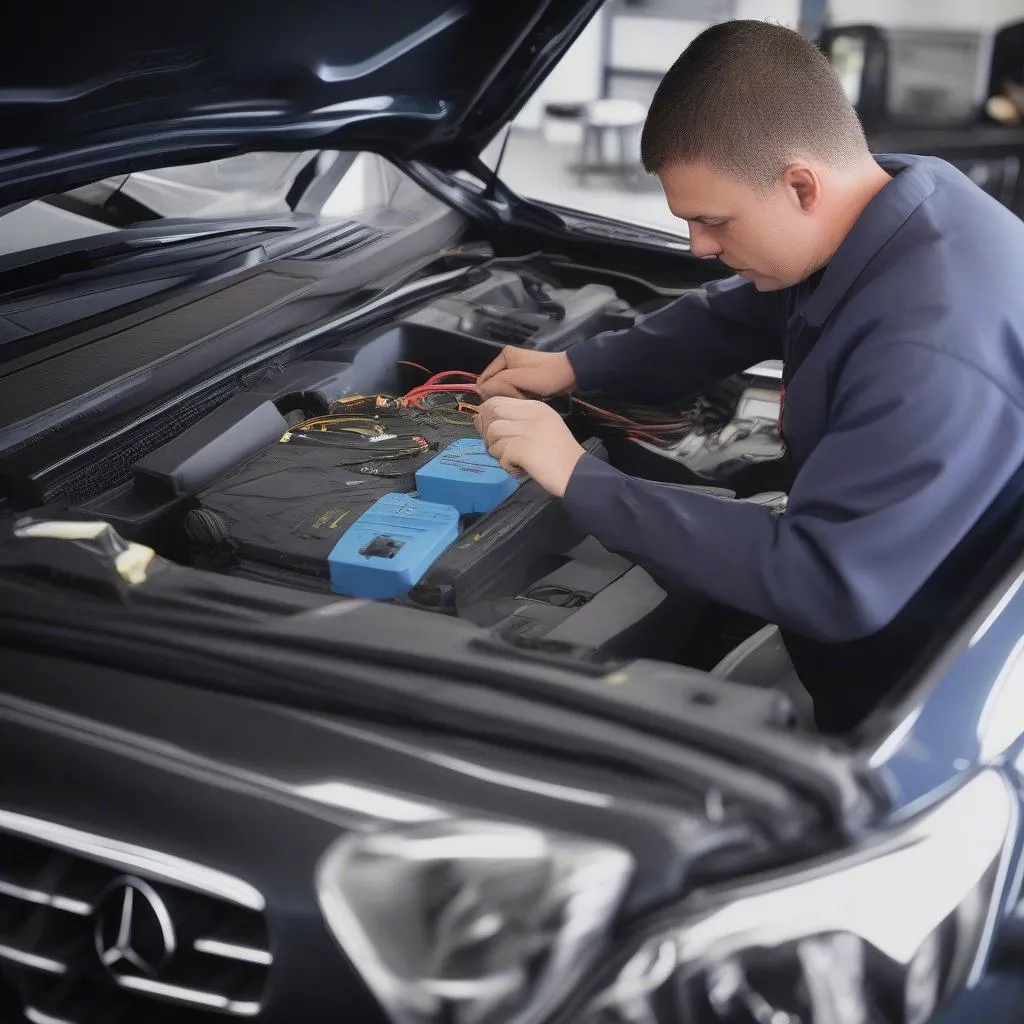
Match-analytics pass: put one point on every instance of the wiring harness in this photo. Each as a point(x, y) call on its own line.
point(449, 392)
point(371, 429)
point(382, 428)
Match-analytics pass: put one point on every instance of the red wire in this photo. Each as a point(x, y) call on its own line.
point(614, 416)
point(416, 395)
point(438, 377)
point(417, 366)
point(650, 429)
point(439, 389)
point(635, 429)
point(435, 386)
point(445, 387)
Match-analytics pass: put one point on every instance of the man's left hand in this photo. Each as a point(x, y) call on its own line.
point(530, 437)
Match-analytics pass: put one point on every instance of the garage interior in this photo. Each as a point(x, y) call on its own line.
point(271, 751)
point(576, 142)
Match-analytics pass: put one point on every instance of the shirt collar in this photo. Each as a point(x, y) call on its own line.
point(911, 184)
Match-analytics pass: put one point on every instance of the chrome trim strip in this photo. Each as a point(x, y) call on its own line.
point(36, 963)
point(127, 857)
point(999, 887)
point(45, 899)
point(35, 1016)
point(232, 951)
point(193, 997)
point(369, 802)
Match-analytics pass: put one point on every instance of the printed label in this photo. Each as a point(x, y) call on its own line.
point(331, 519)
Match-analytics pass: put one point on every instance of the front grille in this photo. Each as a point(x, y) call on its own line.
point(93, 931)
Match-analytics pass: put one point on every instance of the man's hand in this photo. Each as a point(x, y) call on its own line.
point(530, 437)
point(519, 373)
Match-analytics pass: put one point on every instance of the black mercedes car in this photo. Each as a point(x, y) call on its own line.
point(280, 739)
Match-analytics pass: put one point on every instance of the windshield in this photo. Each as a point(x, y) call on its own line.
point(249, 185)
point(67, 257)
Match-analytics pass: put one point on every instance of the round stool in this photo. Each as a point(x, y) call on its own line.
point(562, 114)
point(624, 119)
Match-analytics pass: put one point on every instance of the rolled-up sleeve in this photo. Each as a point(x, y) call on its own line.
point(692, 342)
point(919, 445)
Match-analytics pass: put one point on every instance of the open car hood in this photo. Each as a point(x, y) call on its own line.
point(87, 92)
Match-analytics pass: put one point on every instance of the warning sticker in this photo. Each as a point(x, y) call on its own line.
point(331, 519)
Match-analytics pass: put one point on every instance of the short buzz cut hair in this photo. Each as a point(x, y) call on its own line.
point(749, 97)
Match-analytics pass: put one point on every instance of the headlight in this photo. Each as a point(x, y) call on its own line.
point(881, 934)
point(470, 922)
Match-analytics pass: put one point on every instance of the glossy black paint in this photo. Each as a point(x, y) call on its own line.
point(968, 711)
point(965, 714)
point(225, 781)
point(220, 779)
point(188, 769)
point(84, 95)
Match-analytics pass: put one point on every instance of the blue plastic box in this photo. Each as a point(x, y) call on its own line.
point(390, 546)
point(465, 477)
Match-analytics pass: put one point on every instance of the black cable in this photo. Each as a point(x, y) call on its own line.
point(206, 527)
point(368, 452)
point(558, 596)
point(117, 191)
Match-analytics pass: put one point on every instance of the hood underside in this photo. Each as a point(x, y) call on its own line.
point(87, 92)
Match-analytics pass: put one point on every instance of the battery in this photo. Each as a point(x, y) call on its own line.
point(387, 550)
point(466, 477)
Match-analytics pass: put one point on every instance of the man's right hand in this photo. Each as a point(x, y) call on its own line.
point(520, 373)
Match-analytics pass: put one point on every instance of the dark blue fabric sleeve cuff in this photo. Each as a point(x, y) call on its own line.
point(591, 478)
point(590, 366)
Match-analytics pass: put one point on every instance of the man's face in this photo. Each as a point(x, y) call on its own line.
point(773, 237)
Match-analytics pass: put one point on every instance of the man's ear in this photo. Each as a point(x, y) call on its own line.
point(803, 185)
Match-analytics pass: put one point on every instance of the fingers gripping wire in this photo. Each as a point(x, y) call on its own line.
point(383, 427)
point(451, 388)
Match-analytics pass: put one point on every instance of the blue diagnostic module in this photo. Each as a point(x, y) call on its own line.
point(465, 477)
point(390, 546)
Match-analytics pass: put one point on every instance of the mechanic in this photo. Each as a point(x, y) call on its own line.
point(892, 288)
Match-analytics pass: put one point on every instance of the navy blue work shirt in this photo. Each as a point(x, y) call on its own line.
point(904, 420)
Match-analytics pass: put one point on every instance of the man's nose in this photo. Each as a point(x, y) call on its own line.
point(702, 244)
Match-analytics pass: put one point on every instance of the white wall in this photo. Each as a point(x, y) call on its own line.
point(639, 43)
point(651, 44)
point(785, 12)
point(655, 43)
point(951, 14)
point(647, 43)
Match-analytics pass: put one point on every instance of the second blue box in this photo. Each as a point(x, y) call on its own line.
point(465, 477)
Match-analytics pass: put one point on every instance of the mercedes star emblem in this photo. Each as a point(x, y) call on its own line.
point(133, 930)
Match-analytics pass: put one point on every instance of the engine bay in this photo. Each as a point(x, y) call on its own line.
point(282, 479)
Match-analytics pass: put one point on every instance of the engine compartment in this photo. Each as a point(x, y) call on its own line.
point(266, 485)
